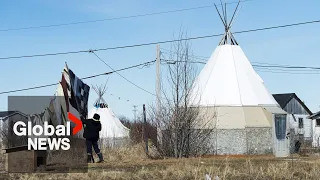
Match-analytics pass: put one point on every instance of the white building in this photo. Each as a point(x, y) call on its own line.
point(315, 118)
point(299, 122)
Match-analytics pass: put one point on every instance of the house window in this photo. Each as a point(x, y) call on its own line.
point(300, 122)
point(317, 122)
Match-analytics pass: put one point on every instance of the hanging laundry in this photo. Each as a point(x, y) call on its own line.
point(76, 95)
point(79, 94)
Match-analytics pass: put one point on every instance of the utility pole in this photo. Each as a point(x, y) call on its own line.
point(135, 112)
point(145, 128)
point(158, 91)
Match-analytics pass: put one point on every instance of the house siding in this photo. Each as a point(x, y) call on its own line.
point(307, 128)
point(316, 134)
point(294, 107)
point(307, 125)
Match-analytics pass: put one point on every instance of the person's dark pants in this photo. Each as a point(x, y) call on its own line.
point(93, 143)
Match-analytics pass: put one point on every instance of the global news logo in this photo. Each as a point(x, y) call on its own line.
point(38, 136)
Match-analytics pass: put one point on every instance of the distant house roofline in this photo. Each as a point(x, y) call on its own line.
point(6, 114)
point(284, 98)
point(314, 116)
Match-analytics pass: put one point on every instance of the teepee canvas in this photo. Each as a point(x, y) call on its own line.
point(248, 117)
point(228, 79)
point(112, 130)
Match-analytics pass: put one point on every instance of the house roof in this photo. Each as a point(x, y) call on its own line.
point(6, 114)
point(315, 115)
point(284, 99)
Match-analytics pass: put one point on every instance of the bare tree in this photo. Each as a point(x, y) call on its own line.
point(186, 128)
point(125, 121)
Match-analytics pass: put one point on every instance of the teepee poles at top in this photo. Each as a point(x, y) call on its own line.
point(227, 26)
point(100, 90)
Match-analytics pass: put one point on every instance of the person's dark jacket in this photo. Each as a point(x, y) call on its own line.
point(91, 129)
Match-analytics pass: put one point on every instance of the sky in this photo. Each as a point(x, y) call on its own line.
point(296, 46)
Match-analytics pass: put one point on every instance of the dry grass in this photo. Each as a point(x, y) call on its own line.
point(132, 163)
point(125, 154)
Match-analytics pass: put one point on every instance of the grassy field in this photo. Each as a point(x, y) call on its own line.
point(132, 163)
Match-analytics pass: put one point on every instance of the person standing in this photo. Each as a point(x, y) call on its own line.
point(92, 127)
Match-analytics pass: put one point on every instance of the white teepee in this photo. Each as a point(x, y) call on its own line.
point(245, 109)
point(228, 78)
point(111, 125)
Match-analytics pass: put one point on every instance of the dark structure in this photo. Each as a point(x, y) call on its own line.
point(19, 158)
point(22, 160)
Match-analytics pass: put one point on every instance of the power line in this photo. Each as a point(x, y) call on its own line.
point(289, 67)
point(88, 77)
point(301, 71)
point(286, 72)
point(254, 65)
point(263, 63)
point(116, 18)
point(174, 61)
point(123, 76)
point(289, 70)
point(191, 55)
point(31, 88)
point(205, 58)
point(118, 97)
point(159, 42)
